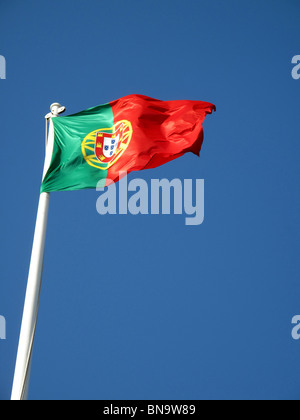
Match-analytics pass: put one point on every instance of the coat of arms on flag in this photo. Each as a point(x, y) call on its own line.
point(107, 144)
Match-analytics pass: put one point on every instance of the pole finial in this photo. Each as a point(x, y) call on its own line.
point(55, 109)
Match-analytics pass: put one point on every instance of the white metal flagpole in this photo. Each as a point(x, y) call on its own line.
point(30, 312)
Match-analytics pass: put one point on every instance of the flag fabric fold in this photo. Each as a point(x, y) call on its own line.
point(129, 134)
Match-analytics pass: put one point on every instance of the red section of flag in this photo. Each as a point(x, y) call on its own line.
point(162, 131)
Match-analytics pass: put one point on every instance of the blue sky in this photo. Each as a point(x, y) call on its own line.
point(163, 311)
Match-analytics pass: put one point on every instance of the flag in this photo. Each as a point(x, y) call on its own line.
point(129, 134)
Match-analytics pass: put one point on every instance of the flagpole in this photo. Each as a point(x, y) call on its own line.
point(30, 312)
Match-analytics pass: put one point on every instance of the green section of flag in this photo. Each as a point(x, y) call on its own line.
point(68, 169)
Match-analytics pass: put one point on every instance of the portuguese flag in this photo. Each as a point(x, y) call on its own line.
point(130, 134)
